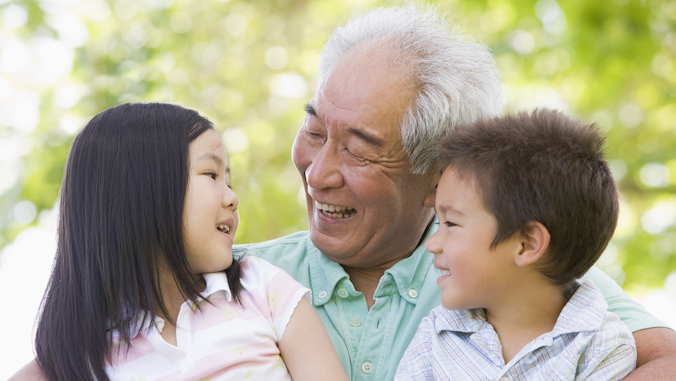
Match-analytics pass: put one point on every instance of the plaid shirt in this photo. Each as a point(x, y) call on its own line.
point(587, 343)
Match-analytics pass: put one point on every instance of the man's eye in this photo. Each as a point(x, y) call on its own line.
point(361, 159)
point(352, 153)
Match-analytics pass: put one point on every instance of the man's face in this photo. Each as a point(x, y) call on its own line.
point(365, 209)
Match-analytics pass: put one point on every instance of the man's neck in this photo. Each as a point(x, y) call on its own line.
point(524, 315)
point(365, 281)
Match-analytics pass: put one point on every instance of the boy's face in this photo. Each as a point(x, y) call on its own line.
point(472, 274)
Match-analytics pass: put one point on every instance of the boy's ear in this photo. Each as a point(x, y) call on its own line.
point(534, 242)
point(432, 191)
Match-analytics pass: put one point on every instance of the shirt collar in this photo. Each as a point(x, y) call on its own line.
point(325, 274)
point(466, 321)
point(583, 312)
point(217, 282)
point(408, 274)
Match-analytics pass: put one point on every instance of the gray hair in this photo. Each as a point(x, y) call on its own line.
point(456, 78)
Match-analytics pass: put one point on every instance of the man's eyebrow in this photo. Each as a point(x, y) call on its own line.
point(365, 136)
point(310, 110)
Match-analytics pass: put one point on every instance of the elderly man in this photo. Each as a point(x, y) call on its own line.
point(390, 84)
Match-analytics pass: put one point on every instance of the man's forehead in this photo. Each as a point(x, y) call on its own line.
point(374, 134)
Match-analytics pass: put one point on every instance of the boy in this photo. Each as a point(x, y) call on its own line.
point(526, 205)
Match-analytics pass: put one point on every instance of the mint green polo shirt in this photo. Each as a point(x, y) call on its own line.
point(370, 343)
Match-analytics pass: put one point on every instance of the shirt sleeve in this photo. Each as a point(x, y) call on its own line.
point(416, 364)
point(610, 353)
point(614, 364)
point(631, 312)
point(277, 289)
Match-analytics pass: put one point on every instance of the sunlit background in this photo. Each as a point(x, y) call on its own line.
point(250, 67)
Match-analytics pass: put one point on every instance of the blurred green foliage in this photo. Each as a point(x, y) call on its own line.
point(250, 67)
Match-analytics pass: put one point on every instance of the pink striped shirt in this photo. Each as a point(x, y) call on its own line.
point(222, 340)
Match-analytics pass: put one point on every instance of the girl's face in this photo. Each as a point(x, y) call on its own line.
point(210, 217)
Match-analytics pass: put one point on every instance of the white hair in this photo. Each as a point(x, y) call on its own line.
point(456, 78)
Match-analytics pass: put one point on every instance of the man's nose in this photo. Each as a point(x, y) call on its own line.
point(324, 170)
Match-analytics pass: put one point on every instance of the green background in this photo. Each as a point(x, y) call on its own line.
point(250, 67)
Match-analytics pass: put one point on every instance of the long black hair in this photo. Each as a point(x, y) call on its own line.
point(121, 217)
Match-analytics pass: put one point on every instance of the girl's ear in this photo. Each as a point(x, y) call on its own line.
point(534, 242)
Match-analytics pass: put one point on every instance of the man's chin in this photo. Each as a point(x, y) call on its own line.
point(333, 247)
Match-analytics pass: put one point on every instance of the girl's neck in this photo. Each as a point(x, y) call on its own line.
point(173, 299)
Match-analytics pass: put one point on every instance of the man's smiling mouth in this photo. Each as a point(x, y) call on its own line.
point(335, 211)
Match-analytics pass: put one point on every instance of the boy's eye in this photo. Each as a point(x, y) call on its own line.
point(449, 224)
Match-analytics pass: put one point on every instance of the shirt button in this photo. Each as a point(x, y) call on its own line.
point(322, 294)
point(413, 293)
point(367, 367)
point(504, 379)
point(343, 293)
point(355, 322)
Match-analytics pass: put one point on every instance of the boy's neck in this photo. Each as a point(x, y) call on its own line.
point(526, 313)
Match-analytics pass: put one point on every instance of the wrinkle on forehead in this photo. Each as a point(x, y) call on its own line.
point(369, 91)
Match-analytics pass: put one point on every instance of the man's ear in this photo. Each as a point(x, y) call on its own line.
point(534, 243)
point(432, 191)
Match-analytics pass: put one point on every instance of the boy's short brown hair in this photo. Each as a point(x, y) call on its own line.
point(543, 167)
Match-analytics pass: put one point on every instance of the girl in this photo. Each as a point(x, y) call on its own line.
point(147, 222)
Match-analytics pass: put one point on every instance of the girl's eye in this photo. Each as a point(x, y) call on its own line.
point(211, 174)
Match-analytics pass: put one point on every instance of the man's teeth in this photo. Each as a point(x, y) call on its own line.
point(222, 227)
point(335, 211)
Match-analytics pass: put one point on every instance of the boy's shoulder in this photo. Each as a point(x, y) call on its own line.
point(592, 312)
point(587, 311)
